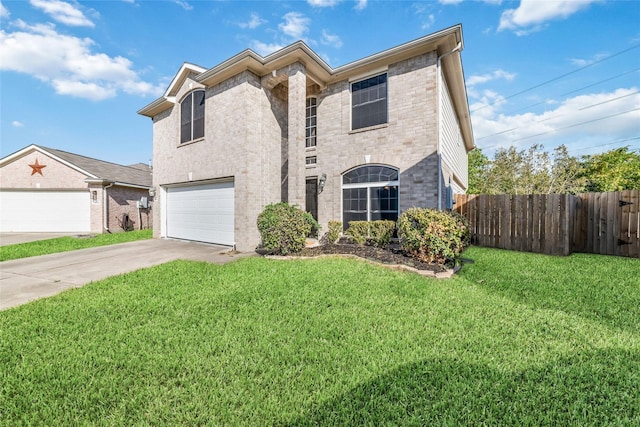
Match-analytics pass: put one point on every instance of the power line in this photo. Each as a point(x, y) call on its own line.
point(576, 124)
point(556, 116)
point(605, 144)
point(558, 77)
point(573, 91)
point(564, 127)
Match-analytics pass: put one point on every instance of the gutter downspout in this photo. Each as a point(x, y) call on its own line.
point(105, 208)
point(440, 132)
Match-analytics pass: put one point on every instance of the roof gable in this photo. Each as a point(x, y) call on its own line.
point(94, 169)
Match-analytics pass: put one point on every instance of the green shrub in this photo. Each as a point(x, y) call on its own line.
point(380, 232)
point(358, 230)
point(335, 228)
point(432, 236)
point(315, 227)
point(375, 233)
point(283, 228)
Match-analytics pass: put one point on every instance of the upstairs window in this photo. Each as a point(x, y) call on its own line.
point(311, 122)
point(369, 102)
point(192, 117)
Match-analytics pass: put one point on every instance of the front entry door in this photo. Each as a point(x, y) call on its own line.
point(311, 204)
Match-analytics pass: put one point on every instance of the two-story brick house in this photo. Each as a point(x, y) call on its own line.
point(366, 140)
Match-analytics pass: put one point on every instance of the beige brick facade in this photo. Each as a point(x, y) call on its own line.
point(255, 130)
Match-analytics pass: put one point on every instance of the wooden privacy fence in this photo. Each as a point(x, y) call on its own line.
point(556, 224)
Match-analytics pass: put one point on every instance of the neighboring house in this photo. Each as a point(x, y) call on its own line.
point(47, 190)
point(363, 141)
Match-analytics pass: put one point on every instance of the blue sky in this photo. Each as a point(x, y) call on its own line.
point(73, 74)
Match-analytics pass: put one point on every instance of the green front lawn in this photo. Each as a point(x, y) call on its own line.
point(69, 243)
point(514, 339)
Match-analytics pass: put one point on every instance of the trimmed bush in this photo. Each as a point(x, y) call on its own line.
point(283, 228)
point(335, 228)
point(380, 232)
point(430, 235)
point(375, 233)
point(315, 227)
point(358, 230)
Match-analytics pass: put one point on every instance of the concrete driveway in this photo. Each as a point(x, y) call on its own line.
point(28, 279)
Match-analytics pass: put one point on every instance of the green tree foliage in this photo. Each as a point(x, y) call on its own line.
point(478, 168)
point(531, 171)
point(614, 170)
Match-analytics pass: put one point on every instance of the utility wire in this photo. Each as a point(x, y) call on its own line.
point(604, 145)
point(554, 117)
point(564, 127)
point(576, 125)
point(558, 77)
point(573, 91)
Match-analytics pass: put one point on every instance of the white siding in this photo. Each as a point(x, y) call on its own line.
point(454, 155)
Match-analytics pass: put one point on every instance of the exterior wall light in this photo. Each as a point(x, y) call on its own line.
point(152, 192)
point(322, 181)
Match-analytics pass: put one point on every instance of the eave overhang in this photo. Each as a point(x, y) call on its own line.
point(323, 74)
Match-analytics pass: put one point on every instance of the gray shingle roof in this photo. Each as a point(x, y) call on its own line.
point(105, 170)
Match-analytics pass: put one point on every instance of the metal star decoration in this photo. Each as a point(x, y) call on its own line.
point(37, 168)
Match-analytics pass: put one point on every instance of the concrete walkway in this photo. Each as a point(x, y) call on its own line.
point(27, 279)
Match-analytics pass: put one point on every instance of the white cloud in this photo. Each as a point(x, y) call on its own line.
point(484, 78)
point(595, 117)
point(450, 1)
point(4, 12)
point(254, 22)
point(63, 12)
point(17, 124)
point(584, 62)
point(295, 25)
point(183, 4)
point(331, 39)
point(68, 64)
point(534, 13)
point(428, 22)
point(361, 4)
point(265, 49)
point(323, 3)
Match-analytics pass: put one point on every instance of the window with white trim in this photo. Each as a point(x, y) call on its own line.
point(370, 193)
point(311, 122)
point(369, 105)
point(192, 116)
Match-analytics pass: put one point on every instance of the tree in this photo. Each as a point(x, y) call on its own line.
point(530, 171)
point(614, 170)
point(566, 173)
point(478, 168)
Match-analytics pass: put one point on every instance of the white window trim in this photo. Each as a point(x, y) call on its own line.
point(367, 185)
point(192, 140)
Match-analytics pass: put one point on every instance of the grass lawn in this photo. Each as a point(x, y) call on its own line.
point(68, 243)
point(514, 339)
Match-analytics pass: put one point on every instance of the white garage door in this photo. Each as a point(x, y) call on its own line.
point(203, 213)
point(45, 211)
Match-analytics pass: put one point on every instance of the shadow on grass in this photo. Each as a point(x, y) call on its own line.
point(600, 288)
point(588, 389)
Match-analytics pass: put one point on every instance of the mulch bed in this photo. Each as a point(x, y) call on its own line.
point(390, 255)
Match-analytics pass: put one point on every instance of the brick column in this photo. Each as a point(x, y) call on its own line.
point(296, 134)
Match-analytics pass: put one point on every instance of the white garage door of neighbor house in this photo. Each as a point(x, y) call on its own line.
point(204, 213)
point(45, 211)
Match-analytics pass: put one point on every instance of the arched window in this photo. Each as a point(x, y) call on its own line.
point(370, 193)
point(192, 116)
